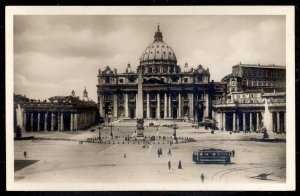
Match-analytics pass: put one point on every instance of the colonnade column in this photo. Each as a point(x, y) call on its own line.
point(278, 122)
point(179, 105)
point(251, 123)
point(46, 121)
point(31, 121)
point(165, 106)
point(170, 115)
point(284, 122)
point(101, 105)
point(244, 121)
point(148, 105)
point(71, 122)
point(158, 106)
point(75, 121)
point(58, 122)
point(237, 122)
point(191, 105)
point(126, 105)
point(257, 121)
point(115, 105)
point(234, 122)
point(224, 121)
point(136, 105)
point(62, 122)
point(52, 121)
point(24, 121)
point(38, 121)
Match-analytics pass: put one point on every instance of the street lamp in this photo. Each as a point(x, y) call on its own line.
point(111, 134)
point(100, 127)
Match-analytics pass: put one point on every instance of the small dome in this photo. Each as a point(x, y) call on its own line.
point(158, 51)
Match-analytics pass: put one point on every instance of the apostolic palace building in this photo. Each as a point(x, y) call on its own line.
point(247, 99)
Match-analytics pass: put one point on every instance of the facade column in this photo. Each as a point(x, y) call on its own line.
point(148, 105)
point(24, 121)
point(244, 121)
point(115, 97)
point(257, 121)
point(165, 106)
point(179, 105)
point(58, 122)
point(170, 106)
point(191, 105)
point(206, 105)
point(233, 122)
point(224, 121)
point(46, 121)
point(126, 105)
point(31, 121)
point(237, 122)
point(38, 121)
point(278, 121)
point(71, 122)
point(158, 106)
point(62, 122)
point(101, 106)
point(76, 121)
point(52, 121)
point(284, 122)
point(251, 121)
point(136, 105)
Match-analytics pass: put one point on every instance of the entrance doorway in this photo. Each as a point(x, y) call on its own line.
point(174, 113)
point(153, 113)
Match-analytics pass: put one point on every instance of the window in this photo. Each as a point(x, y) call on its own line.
point(162, 79)
point(186, 80)
point(107, 80)
point(131, 79)
point(121, 81)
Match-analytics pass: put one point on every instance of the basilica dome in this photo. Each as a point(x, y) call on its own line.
point(158, 52)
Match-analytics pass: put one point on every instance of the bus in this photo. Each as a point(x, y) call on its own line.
point(211, 156)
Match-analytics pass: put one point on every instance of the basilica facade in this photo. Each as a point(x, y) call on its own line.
point(169, 91)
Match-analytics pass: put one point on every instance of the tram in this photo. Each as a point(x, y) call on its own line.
point(211, 156)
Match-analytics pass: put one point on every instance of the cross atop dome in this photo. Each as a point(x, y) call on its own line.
point(158, 37)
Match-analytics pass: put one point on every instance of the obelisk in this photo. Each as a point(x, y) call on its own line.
point(139, 105)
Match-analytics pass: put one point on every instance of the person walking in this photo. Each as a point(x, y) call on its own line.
point(202, 178)
point(179, 165)
point(169, 165)
point(25, 154)
point(169, 153)
point(125, 155)
point(158, 152)
point(233, 153)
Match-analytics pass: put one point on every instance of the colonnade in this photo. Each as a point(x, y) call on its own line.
point(57, 121)
point(249, 121)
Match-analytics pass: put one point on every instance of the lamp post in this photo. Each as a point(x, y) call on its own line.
point(111, 134)
point(100, 127)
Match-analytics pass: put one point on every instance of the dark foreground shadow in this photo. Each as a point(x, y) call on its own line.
point(20, 164)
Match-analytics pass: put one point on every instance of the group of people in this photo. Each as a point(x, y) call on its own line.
point(231, 153)
point(159, 152)
point(179, 165)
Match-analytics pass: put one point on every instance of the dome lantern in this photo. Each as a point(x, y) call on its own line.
point(158, 37)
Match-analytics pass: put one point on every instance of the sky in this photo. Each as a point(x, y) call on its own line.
point(54, 55)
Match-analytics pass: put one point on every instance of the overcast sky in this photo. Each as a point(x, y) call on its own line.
point(54, 55)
